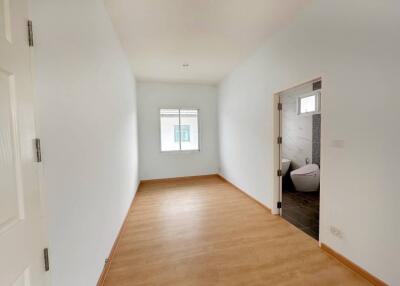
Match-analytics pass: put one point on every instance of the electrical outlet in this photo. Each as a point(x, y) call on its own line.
point(336, 231)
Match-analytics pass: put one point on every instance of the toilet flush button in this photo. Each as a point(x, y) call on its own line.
point(337, 144)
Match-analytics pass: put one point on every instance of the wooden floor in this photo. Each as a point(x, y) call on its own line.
point(203, 231)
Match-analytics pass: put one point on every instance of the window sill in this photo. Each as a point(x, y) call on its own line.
point(309, 113)
point(180, 151)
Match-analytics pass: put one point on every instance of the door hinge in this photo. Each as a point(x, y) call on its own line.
point(38, 150)
point(30, 33)
point(279, 173)
point(279, 106)
point(279, 205)
point(46, 259)
point(279, 140)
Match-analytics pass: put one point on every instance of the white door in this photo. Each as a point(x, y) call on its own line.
point(21, 247)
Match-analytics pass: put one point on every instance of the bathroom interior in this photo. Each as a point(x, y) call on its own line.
point(300, 155)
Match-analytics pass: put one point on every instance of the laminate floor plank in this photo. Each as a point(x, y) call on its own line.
point(203, 231)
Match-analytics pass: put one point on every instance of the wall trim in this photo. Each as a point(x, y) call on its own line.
point(177, 178)
point(243, 192)
point(107, 265)
point(368, 276)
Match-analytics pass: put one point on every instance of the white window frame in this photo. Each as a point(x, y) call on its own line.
point(317, 95)
point(198, 130)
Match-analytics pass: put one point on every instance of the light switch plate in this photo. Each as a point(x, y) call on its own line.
point(337, 143)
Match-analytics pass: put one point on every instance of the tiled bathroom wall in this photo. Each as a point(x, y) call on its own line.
point(296, 130)
point(316, 138)
point(316, 131)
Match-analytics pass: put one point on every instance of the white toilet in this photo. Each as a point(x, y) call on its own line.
point(306, 178)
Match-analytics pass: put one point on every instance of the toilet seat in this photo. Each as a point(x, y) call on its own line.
point(309, 170)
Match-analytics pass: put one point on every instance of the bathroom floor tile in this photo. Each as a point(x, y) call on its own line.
point(301, 209)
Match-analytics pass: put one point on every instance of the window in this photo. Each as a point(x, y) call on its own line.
point(179, 129)
point(308, 104)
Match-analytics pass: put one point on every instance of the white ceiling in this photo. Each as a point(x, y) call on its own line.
point(212, 36)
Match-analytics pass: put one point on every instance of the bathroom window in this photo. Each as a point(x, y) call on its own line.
point(179, 129)
point(308, 104)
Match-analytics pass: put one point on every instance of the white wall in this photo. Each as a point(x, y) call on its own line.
point(296, 130)
point(155, 164)
point(87, 120)
point(355, 46)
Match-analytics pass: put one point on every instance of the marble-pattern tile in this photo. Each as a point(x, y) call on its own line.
point(296, 129)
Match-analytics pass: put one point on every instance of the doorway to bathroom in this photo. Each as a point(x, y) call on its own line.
point(299, 143)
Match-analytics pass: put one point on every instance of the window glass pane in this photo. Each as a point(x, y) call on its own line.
point(308, 104)
point(185, 133)
point(189, 129)
point(169, 119)
point(176, 132)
